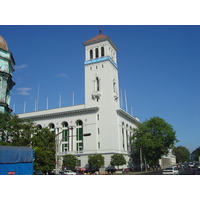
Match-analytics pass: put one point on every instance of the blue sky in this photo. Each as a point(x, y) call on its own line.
point(159, 68)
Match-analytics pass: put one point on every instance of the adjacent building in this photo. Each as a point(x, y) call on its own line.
point(6, 69)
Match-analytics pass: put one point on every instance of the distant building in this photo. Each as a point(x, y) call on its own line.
point(110, 126)
point(6, 69)
point(168, 160)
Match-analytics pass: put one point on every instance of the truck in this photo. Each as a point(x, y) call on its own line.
point(16, 160)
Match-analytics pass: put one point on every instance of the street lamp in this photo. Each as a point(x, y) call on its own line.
point(57, 143)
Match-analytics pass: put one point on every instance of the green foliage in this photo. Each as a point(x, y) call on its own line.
point(96, 160)
point(182, 154)
point(196, 154)
point(155, 137)
point(19, 132)
point(43, 143)
point(15, 131)
point(117, 160)
point(70, 161)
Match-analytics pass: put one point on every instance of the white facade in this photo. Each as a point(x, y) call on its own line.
point(101, 115)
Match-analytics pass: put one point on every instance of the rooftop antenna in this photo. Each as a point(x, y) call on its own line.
point(24, 106)
point(126, 101)
point(73, 98)
point(38, 95)
point(47, 103)
point(36, 105)
point(60, 101)
point(131, 111)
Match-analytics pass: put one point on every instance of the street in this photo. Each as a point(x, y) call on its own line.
point(181, 172)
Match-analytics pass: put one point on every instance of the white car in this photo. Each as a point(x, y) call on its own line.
point(191, 165)
point(198, 167)
point(69, 172)
point(171, 171)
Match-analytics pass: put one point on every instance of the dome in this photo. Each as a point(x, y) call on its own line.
point(3, 44)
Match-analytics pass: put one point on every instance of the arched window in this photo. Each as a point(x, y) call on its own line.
point(97, 84)
point(39, 126)
point(79, 135)
point(52, 127)
point(64, 124)
point(91, 54)
point(102, 51)
point(65, 132)
point(97, 52)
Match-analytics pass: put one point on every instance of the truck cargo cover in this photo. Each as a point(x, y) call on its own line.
point(15, 154)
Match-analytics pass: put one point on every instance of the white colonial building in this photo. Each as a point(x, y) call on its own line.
point(110, 126)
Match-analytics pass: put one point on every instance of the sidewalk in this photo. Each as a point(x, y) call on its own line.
point(153, 172)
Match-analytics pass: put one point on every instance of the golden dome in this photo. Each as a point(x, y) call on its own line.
point(3, 44)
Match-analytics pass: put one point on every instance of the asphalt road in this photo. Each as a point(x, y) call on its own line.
point(189, 172)
point(181, 172)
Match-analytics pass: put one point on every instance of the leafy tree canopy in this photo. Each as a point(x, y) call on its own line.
point(96, 160)
point(70, 161)
point(154, 137)
point(117, 160)
point(182, 154)
point(196, 154)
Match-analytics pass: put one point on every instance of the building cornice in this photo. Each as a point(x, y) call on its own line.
point(41, 114)
point(127, 116)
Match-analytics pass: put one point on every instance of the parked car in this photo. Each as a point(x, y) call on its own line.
point(171, 171)
point(69, 172)
point(198, 167)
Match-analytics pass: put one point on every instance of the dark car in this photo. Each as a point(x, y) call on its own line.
point(37, 172)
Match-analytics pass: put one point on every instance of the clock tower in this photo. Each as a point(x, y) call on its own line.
point(6, 69)
point(102, 90)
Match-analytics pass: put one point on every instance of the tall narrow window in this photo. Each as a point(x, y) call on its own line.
point(114, 86)
point(102, 51)
point(97, 52)
point(97, 84)
point(79, 135)
point(65, 132)
point(91, 54)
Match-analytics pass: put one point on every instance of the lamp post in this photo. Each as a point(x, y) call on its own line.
point(57, 143)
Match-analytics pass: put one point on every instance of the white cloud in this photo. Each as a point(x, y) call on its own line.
point(19, 67)
point(24, 91)
point(62, 75)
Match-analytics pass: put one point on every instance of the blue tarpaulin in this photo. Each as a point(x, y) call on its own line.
point(14, 154)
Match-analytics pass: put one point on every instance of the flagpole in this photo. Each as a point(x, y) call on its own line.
point(47, 103)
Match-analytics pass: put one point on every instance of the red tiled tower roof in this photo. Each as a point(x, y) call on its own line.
point(98, 37)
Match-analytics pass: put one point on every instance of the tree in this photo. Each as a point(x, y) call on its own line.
point(15, 131)
point(70, 161)
point(196, 154)
point(182, 154)
point(117, 160)
point(43, 143)
point(154, 138)
point(96, 160)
